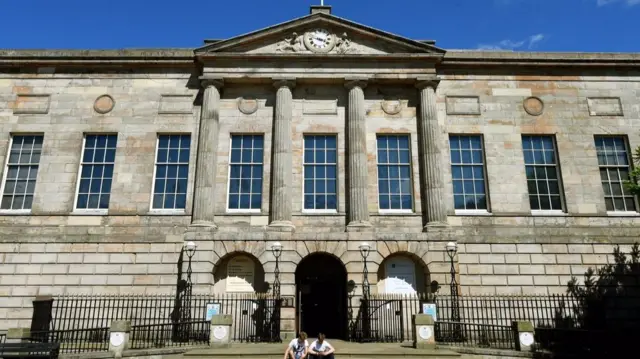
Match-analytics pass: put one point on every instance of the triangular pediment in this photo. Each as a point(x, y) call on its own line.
point(335, 35)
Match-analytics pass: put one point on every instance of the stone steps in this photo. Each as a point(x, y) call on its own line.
point(343, 350)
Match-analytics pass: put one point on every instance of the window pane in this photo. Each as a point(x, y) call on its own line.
point(172, 171)
point(96, 174)
point(394, 172)
point(467, 170)
point(542, 174)
point(245, 176)
point(319, 171)
point(614, 162)
point(21, 172)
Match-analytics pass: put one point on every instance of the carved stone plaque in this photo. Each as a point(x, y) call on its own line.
point(526, 339)
point(240, 274)
point(248, 105)
point(534, 106)
point(104, 104)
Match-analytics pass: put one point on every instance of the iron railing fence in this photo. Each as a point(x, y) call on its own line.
point(169, 335)
point(256, 316)
point(75, 340)
point(541, 310)
point(475, 335)
point(388, 317)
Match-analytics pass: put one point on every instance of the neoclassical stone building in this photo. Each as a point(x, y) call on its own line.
point(320, 134)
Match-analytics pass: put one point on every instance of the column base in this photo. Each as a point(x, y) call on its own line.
point(359, 226)
point(203, 223)
point(435, 227)
point(281, 226)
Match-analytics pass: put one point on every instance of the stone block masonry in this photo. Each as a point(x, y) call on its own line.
point(507, 250)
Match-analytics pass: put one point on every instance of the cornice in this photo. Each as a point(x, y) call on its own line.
point(456, 58)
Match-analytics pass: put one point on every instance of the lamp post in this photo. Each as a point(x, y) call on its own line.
point(276, 249)
point(452, 248)
point(190, 250)
point(365, 249)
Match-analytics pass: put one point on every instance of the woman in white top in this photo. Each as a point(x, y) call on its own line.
point(321, 348)
point(297, 348)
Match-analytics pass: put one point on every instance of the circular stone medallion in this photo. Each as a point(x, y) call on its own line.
point(248, 105)
point(534, 106)
point(104, 104)
point(219, 332)
point(425, 332)
point(392, 107)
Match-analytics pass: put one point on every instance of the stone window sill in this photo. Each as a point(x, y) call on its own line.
point(472, 212)
point(549, 213)
point(622, 214)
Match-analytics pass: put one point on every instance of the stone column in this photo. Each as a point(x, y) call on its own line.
point(357, 153)
point(430, 142)
point(203, 195)
point(281, 170)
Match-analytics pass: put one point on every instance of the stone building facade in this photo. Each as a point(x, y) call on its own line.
point(320, 134)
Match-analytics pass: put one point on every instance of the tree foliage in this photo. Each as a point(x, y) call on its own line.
point(633, 184)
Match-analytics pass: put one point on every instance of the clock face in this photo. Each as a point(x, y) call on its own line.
point(319, 40)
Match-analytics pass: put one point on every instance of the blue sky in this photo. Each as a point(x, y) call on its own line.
point(523, 25)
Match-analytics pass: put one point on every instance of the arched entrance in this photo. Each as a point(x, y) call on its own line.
point(321, 287)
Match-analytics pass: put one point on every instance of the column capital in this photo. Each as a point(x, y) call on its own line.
point(424, 82)
point(279, 82)
point(352, 82)
point(209, 82)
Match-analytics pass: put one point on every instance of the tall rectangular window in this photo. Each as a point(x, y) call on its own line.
point(614, 163)
point(467, 170)
point(320, 177)
point(21, 172)
point(96, 172)
point(245, 172)
point(394, 173)
point(543, 179)
point(172, 172)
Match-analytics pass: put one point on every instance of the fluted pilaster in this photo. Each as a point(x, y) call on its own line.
point(357, 153)
point(430, 142)
point(204, 193)
point(281, 200)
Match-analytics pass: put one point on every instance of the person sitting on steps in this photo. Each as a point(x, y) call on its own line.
point(298, 347)
point(321, 348)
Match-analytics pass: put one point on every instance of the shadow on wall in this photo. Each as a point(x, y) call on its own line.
point(606, 319)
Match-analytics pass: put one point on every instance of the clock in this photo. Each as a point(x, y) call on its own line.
point(319, 40)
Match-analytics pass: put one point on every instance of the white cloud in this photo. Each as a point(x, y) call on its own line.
point(607, 2)
point(530, 43)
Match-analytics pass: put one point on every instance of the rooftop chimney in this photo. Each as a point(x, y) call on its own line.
point(320, 9)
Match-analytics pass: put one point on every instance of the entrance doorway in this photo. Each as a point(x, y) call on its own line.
point(321, 287)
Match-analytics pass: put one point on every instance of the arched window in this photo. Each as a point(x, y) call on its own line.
point(400, 275)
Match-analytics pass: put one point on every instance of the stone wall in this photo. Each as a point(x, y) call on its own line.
point(133, 250)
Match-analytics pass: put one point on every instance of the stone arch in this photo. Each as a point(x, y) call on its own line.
point(239, 271)
point(337, 249)
point(403, 273)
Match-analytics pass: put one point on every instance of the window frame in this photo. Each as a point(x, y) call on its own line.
point(262, 193)
point(6, 171)
point(411, 174)
point(480, 212)
point(155, 169)
point(556, 155)
point(92, 211)
point(320, 211)
point(628, 152)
